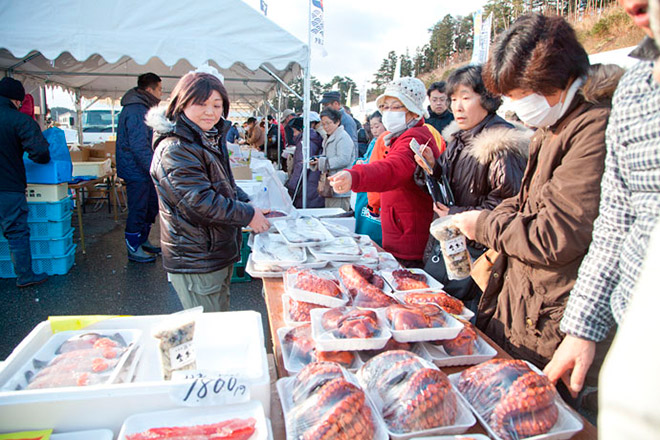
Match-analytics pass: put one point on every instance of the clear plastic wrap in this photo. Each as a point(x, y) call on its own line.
point(464, 344)
point(175, 335)
point(411, 280)
point(324, 401)
point(391, 344)
point(413, 394)
point(341, 249)
point(364, 286)
point(270, 252)
point(77, 358)
point(386, 261)
point(437, 354)
point(426, 322)
point(348, 329)
point(453, 246)
point(297, 312)
point(299, 349)
point(338, 230)
point(513, 400)
point(303, 231)
point(438, 297)
point(314, 286)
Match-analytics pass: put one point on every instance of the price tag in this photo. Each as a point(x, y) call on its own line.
point(182, 355)
point(455, 245)
point(198, 388)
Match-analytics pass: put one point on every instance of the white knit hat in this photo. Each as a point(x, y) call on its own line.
point(410, 91)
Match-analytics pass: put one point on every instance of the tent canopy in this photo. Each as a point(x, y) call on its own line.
point(99, 48)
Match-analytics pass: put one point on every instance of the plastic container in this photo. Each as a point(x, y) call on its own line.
point(293, 362)
point(93, 169)
point(327, 339)
point(567, 424)
point(454, 437)
point(303, 231)
point(51, 173)
point(49, 264)
point(46, 193)
point(42, 247)
point(450, 331)
point(438, 355)
point(40, 211)
point(198, 416)
point(50, 228)
point(294, 289)
point(286, 311)
point(453, 247)
point(431, 283)
point(341, 249)
point(465, 313)
point(271, 251)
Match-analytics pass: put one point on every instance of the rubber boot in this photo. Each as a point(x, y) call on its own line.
point(147, 246)
point(134, 248)
point(21, 257)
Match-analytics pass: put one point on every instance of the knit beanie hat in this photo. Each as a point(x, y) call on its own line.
point(12, 89)
point(410, 91)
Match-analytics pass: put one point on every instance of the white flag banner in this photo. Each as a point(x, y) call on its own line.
point(317, 27)
point(476, 36)
point(482, 33)
point(397, 69)
point(363, 97)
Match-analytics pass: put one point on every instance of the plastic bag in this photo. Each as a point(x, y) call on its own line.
point(364, 286)
point(176, 349)
point(514, 400)
point(453, 247)
point(278, 195)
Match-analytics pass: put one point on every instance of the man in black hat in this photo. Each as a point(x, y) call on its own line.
point(19, 133)
point(333, 100)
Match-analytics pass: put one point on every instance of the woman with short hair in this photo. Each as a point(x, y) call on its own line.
point(202, 210)
point(544, 232)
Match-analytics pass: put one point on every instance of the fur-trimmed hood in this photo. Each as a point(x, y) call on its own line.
point(601, 83)
point(157, 120)
point(491, 142)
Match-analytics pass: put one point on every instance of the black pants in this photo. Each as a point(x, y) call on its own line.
point(13, 216)
point(142, 206)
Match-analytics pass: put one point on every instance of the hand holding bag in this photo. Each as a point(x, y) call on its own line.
point(324, 188)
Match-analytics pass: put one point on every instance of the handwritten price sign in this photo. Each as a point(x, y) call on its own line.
point(196, 388)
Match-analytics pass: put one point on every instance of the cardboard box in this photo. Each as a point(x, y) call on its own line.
point(242, 172)
point(104, 150)
point(80, 155)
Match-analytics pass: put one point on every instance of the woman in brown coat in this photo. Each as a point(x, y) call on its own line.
point(544, 232)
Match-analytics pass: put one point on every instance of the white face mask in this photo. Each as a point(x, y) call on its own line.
point(534, 109)
point(394, 122)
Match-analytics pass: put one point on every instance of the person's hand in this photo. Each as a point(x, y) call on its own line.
point(441, 209)
point(571, 362)
point(360, 162)
point(427, 154)
point(259, 223)
point(313, 162)
point(467, 223)
point(341, 182)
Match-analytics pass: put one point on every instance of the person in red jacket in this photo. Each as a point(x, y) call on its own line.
point(406, 208)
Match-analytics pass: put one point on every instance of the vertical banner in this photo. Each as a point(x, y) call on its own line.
point(397, 69)
point(363, 97)
point(476, 36)
point(264, 6)
point(317, 27)
point(481, 42)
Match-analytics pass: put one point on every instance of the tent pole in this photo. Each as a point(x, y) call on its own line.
point(279, 126)
point(306, 105)
point(266, 127)
point(278, 79)
point(79, 116)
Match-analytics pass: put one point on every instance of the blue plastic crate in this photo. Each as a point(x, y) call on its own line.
point(51, 264)
point(42, 247)
point(51, 211)
point(55, 171)
point(50, 229)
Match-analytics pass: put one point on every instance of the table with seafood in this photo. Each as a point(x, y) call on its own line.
point(365, 349)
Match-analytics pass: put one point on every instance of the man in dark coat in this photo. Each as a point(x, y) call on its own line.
point(19, 133)
point(332, 99)
point(134, 155)
point(439, 114)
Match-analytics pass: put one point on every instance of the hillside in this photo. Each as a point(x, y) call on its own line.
point(612, 29)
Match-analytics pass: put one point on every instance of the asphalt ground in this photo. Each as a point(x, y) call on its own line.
point(104, 282)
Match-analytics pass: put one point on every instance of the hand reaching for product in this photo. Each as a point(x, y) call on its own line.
point(467, 223)
point(259, 223)
point(341, 182)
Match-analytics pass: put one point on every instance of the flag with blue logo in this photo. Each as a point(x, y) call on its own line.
point(316, 27)
point(264, 7)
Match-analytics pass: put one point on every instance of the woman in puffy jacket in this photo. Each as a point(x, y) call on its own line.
point(484, 164)
point(202, 210)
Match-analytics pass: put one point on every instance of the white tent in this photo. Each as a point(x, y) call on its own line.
point(99, 48)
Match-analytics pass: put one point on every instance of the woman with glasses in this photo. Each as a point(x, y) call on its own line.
point(339, 152)
point(406, 209)
point(484, 164)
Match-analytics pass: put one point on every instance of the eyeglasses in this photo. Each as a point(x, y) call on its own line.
point(393, 108)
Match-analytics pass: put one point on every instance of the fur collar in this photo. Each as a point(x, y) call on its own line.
point(449, 131)
point(157, 120)
point(496, 141)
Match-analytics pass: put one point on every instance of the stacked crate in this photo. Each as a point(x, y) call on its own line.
point(240, 275)
point(51, 233)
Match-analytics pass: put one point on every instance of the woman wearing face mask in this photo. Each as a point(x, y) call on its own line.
point(201, 208)
point(406, 209)
point(484, 164)
point(544, 232)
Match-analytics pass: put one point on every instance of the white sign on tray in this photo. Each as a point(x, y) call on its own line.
point(205, 388)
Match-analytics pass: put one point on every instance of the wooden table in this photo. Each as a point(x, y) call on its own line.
point(273, 290)
point(83, 186)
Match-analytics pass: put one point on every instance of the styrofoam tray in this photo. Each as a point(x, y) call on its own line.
point(312, 297)
point(298, 232)
point(285, 311)
point(284, 390)
point(293, 366)
point(432, 282)
point(326, 341)
point(48, 352)
point(96, 434)
point(310, 263)
point(266, 249)
point(337, 250)
point(567, 425)
point(198, 416)
point(386, 261)
point(438, 355)
point(454, 437)
point(425, 334)
point(466, 313)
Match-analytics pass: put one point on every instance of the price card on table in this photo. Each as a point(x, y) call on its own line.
point(206, 388)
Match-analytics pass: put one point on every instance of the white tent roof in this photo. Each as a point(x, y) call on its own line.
point(99, 47)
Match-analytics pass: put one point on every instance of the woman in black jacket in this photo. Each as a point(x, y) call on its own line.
point(484, 164)
point(202, 210)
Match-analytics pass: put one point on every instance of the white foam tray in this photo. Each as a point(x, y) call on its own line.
point(454, 437)
point(198, 416)
point(313, 297)
point(425, 334)
point(567, 425)
point(466, 313)
point(96, 434)
point(226, 342)
point(283, 227)
point(439, 356)
point(326, 341)
point(432, 282)
point(287, 317)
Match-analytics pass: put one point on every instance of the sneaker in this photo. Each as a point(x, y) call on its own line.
point(32, 279)
point(151, 248)
point(139, 256)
